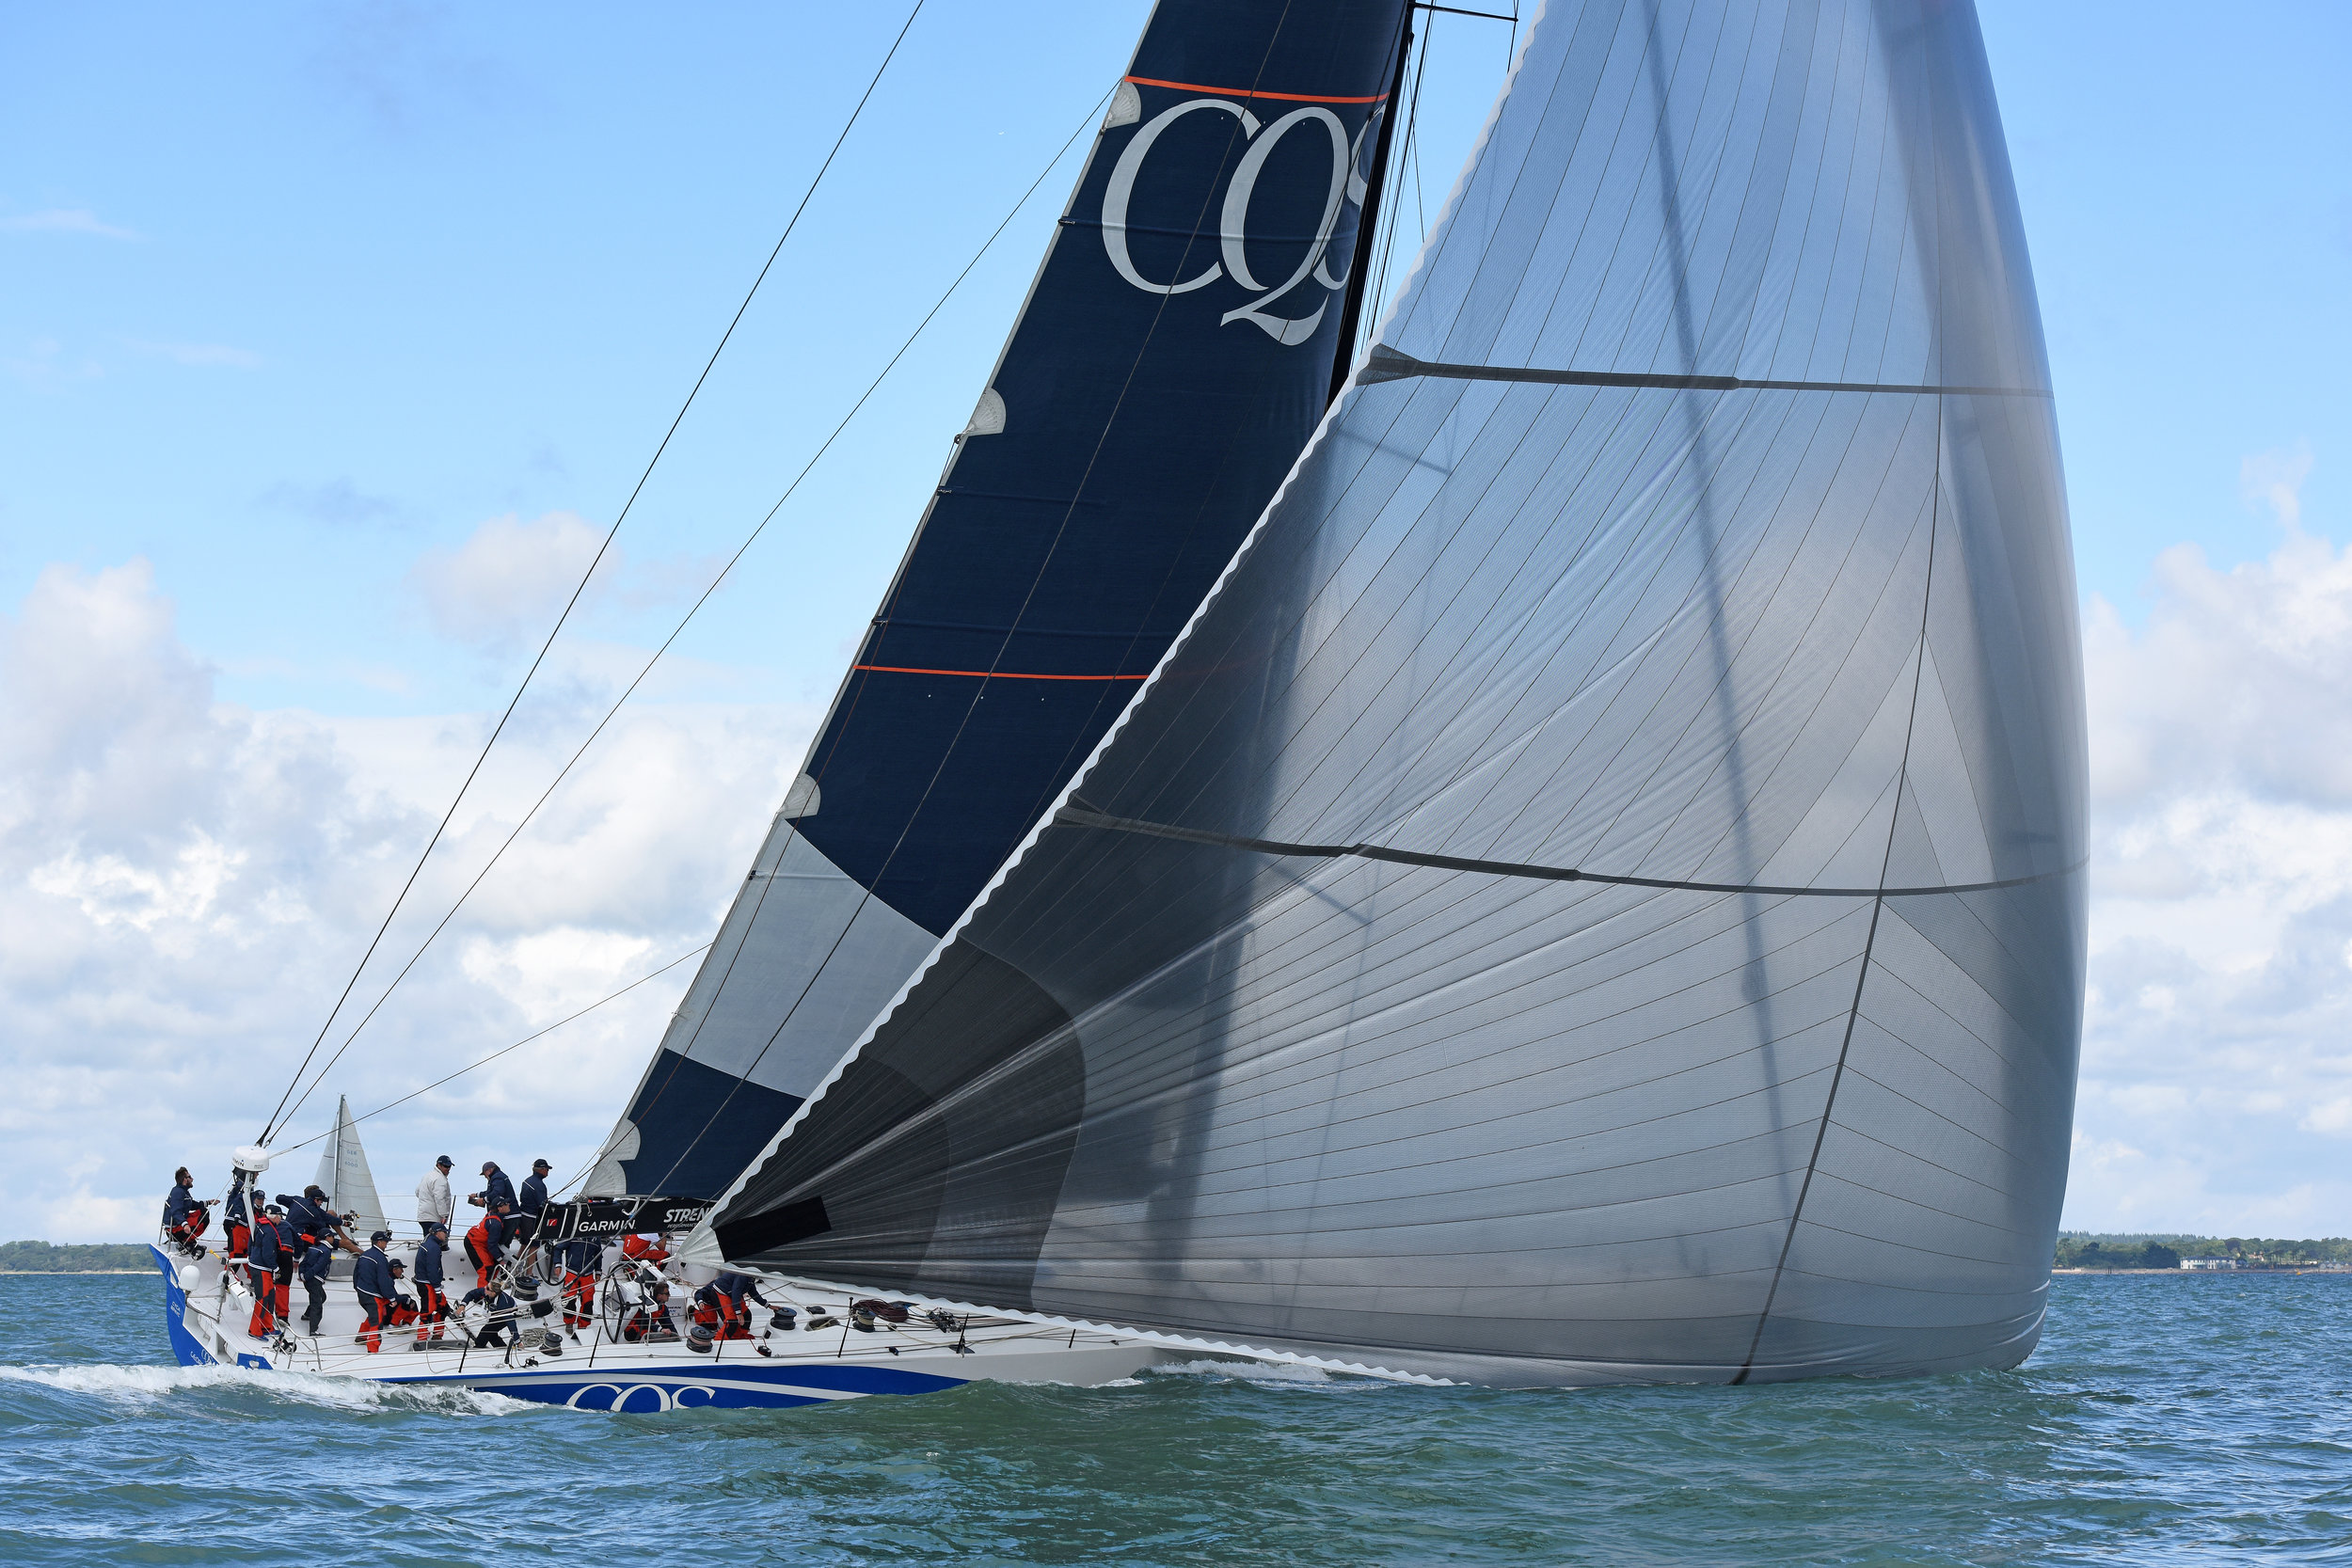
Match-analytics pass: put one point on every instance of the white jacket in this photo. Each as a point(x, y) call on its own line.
point(433, 1207)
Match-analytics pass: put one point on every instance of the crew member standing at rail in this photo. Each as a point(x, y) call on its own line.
point(495, 1187)
point(289, 1253)
point(371, 1277)
point(432, 1301)
point(534, 1201)
point(240, 1227)
point(315, 1263)
point(433, 1200)
point(578, 1258)
point(261, 1271)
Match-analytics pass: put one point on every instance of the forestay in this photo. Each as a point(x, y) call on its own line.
point(1595, 894)
point(1175, 352)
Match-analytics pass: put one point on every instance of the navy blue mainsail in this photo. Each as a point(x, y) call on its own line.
point(1175, 352)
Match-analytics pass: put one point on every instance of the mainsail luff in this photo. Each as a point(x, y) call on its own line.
point(1443, 1121)
point(1161, 379)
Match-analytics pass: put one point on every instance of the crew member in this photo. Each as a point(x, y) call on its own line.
point(288, 1252)
point(533, 1204)
point(487, 1240)
point(314, 1221)
point(432, 1201)
point(651, 1320)
point(240, 1227)
point(261, 1271)
point(495, 1186)
point(372, 1278)
point(652, 1251)
point(315, 1263)
point(432, 1303)
point(721, 1303)
point(580, 1257)
point(185, 1215)
point(404, 1310)
point(500, 1313)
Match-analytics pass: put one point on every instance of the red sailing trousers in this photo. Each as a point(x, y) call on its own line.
point(580, 1299)
point(432, 1309)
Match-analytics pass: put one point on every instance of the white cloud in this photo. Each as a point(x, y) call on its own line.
point(2216, 1090)
point(67, 220)
point(506, 583)
point(184, 884)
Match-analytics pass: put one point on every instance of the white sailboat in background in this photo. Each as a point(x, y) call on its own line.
point(1543, 852)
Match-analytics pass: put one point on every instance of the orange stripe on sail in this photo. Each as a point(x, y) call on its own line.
point(987, 674)
point(1253, 92)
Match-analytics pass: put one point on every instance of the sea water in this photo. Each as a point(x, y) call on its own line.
point(2164, 1421)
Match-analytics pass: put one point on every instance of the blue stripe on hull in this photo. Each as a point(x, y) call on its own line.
point(184, 1344)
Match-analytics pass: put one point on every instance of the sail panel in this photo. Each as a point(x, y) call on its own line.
point(1595, 894)
point(1175, 352)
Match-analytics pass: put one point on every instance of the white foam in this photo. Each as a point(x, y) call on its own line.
point(1285, 1372)
point(149, 1385)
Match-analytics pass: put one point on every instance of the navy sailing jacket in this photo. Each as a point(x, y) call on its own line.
point(315, 1263)
point(372, 1275)
point(534, 1195)
point(496, 1186)
point(310, 1219)
point(428, 1270)
point(262, 1253)
point(177, 1203)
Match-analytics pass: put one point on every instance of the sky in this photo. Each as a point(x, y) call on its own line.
point(333, 337)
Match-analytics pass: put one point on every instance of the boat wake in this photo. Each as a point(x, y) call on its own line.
point(144, 1385)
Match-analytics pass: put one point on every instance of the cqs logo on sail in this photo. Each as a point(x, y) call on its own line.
point(1345, 188)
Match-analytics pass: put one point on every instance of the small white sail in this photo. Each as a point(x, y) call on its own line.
point(343, 1173)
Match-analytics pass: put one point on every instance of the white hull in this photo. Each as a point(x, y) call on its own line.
point(207, 1318)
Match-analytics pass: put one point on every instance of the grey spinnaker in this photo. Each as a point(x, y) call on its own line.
point(1176, 350)
point(1595, 894)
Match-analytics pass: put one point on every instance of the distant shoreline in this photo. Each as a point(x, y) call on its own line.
point(2220, 1274)
point(68, 1274)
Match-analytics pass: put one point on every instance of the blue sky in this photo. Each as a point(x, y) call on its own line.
point(351, 321)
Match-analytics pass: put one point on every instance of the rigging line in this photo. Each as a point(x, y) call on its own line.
point(1077, 817)
point(571, 602)
point(940, 304)
point(1135, 366)
point(503, 1050)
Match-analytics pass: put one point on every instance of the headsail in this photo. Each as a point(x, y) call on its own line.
point(1175, 352)
point(1595, 892)
point(345, 1174)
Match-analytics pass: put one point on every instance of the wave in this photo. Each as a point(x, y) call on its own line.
point(152, 1385)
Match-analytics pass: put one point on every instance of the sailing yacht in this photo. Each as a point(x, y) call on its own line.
point(1543, 851)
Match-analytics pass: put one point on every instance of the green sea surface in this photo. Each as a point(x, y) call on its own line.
point(2181, 1419)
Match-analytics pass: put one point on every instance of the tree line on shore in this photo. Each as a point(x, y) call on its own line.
point(2084, 1249)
